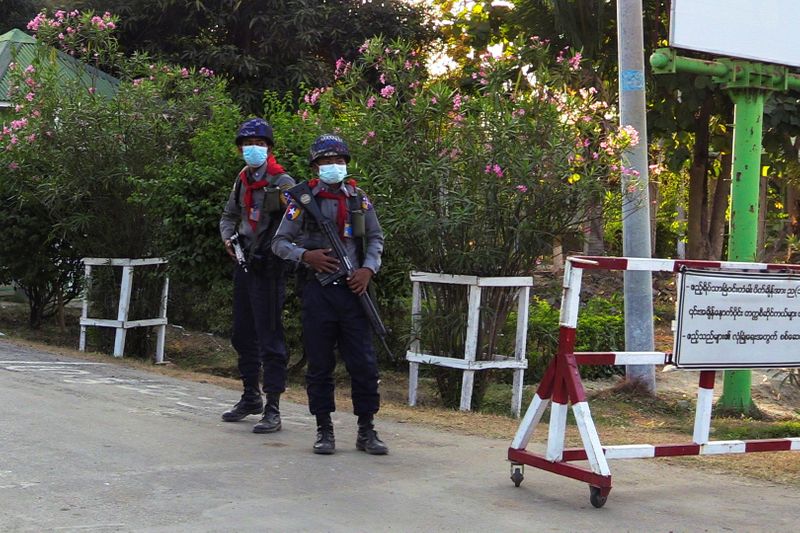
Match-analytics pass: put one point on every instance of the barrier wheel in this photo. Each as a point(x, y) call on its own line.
point(595, 496)
point(516, 475)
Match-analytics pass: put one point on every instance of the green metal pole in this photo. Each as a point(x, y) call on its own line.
point(742, 242)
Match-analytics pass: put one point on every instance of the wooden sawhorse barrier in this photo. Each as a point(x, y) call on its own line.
point(122, 324)
point(469, 363)
point(561, 385)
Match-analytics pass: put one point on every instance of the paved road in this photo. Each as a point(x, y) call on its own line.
point(98, 447)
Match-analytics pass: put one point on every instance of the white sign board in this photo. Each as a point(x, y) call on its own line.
point(763, 30)
point(737, 320)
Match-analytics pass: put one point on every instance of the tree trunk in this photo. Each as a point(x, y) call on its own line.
point(719, 207)
point(698, 246)
point(594, 243)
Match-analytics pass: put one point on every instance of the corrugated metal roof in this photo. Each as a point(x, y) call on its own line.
point(20, 47)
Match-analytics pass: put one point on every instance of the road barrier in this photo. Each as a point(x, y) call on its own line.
point(743, 316)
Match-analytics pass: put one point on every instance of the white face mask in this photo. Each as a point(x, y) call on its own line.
point(333, 173)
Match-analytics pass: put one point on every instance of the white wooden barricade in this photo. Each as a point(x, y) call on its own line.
point(122, 324)
point(468, 364)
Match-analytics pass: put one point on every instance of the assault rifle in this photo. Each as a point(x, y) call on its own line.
point(303, 195)
point(238, 251)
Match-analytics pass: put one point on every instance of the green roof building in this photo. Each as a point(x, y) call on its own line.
point(17, 46)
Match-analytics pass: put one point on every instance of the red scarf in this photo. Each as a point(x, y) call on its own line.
point(341, 210)
point(273, 168)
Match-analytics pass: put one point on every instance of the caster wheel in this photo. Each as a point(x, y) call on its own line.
point(597, 499)
point(517, 476)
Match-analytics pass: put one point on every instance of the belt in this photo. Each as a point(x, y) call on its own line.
point(340, 281)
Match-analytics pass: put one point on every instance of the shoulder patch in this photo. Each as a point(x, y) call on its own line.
point(366, 205)
point(293, 211)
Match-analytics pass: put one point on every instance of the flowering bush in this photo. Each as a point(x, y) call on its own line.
point(98, 172)
point(475, 174)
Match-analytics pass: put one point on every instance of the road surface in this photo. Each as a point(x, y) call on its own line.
point(87, 446)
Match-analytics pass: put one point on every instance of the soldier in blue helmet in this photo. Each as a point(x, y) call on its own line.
point(249, 220)
point(332, 313)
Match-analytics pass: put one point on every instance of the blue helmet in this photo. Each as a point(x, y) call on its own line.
point(328, 145)
point(255, 127)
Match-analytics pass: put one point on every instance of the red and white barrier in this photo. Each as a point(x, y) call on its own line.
point(561, 386)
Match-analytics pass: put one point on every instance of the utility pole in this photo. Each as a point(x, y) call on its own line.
point(747, 84)
point(638, 291)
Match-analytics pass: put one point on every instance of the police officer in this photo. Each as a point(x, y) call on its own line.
point(249, 220)
point(332, 314)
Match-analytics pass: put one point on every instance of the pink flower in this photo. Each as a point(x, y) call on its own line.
point(31, 138)
point(457, 102)
point(207, 72)
point(137, 82)
point(382, 79)
point(36, 113)
point(497, 170)
point(371, 102)
point(632, 133)
point(434, 101)
point(342, 68)
point(30, 69)
point(627, 171)
point(575, 61)
point(14, 140)
point(13, 166)
point(18, 108)
point(522, 188)
point(387, 91)
point(92, 90)
point(408, 65)
point(196, 90)
point(184, 72)
point(313, 97)
point(29, 97)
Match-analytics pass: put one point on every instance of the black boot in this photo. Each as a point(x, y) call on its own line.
point(325, 443)
point(271, 421)
point(250, 404)
point(367, 439)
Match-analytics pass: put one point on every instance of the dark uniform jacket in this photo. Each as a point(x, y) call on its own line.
point(296, 233)
point(235, 215)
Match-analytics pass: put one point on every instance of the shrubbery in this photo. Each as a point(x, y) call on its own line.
point(475, 173)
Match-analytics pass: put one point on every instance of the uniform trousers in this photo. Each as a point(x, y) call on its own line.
point(258, 335)
point(332, 316)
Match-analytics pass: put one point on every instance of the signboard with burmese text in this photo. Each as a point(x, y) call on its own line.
point(728, 320)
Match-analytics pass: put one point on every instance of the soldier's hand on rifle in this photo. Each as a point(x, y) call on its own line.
point(229, 249)
point(359, 281)
point(320, 261)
